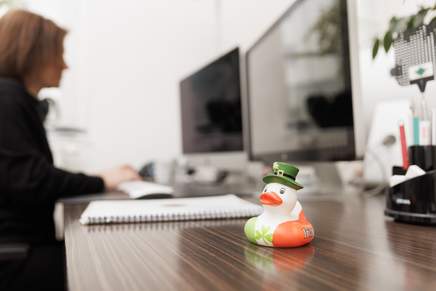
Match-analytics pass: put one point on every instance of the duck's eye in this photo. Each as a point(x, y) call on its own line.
point(282, 191)
point(265, 190)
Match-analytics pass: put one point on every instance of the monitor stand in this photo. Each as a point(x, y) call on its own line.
point(320, 180)
point(218, 160)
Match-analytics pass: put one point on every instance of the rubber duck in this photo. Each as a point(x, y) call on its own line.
point(282, 223)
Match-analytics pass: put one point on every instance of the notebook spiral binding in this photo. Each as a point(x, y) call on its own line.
point(171, 217)
point(166, 226)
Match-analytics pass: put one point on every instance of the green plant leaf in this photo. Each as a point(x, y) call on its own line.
point(423, 11)
point(375, 48)
point(419, 19)
point(268, 238)
point(393, 23)
point(411, 22)
point(387, 41)
point(400, 25)
point(432, 23)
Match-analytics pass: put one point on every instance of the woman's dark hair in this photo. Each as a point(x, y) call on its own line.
point(28, 42)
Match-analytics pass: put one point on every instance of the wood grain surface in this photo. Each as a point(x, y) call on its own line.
point(355, 248)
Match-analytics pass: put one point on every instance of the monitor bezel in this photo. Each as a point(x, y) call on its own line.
point(341, 153)
point(236, 51)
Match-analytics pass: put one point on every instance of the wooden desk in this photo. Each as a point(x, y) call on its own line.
point(355, 247)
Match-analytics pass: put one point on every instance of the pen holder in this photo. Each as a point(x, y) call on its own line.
point(423, 156)
point(413, 201)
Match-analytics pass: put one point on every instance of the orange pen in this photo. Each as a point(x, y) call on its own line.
point(404, 146)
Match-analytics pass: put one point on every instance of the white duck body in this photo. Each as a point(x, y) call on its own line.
point(280, 207)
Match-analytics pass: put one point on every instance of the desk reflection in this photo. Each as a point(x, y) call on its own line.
point(411, 239)
point(278, 259)
point(160, 226)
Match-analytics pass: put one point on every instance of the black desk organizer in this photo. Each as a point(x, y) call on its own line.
point(414, 201)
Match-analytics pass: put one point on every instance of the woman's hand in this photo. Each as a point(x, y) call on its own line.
point(113, 177)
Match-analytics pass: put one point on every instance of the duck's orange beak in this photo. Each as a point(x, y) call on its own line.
point(270, 198)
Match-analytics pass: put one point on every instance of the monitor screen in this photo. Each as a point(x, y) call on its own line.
point(299, 87)
point(211, 107)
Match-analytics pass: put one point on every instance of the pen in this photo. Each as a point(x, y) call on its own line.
point(424, 123)
point(415, 119)
point(404, 146)
point(424, 132)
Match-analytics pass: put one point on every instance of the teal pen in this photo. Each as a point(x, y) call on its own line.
point(415, 120)
point(416, 130)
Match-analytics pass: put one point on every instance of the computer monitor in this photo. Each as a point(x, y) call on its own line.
point(299, 86)
point(211, 107)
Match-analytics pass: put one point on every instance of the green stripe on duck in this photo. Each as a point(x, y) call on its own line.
point(282, 223)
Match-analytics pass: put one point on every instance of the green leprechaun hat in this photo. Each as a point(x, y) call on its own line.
point(285, 174)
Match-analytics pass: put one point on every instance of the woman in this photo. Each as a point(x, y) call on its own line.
point(31, 58)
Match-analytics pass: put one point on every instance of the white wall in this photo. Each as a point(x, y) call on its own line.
point(135, 56)
point(244, 21)
point(126, 59)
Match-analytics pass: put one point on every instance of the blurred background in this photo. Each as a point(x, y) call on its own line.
point(120, 96)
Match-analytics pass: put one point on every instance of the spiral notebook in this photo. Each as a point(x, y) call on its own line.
point(199, 208)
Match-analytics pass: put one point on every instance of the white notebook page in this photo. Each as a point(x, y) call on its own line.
point(123, 211)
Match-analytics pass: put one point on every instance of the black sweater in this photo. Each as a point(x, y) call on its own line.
point(29, 182)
